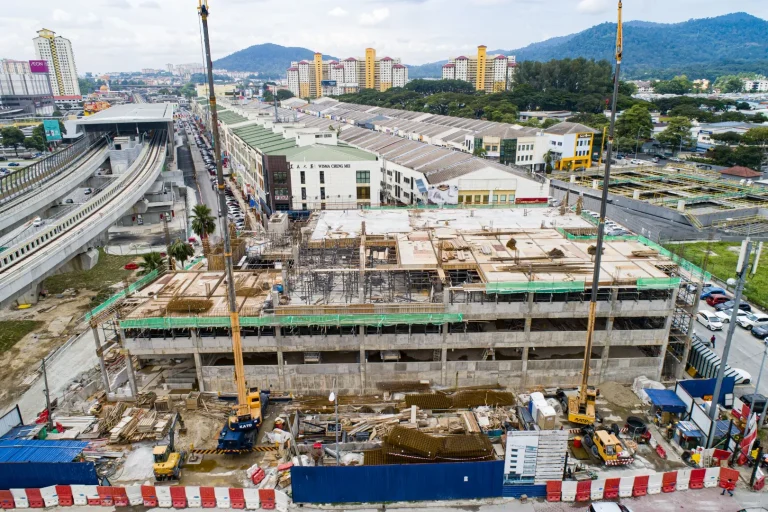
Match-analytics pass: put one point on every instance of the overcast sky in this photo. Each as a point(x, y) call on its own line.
point(125, 35)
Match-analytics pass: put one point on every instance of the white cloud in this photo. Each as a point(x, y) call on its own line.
point(151, 4)
point(374, 17)
point(593, 6)
point(120, 4)
point(337, 12)
point(59, 15)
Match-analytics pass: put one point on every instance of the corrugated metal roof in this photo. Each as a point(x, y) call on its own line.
point(33, 450)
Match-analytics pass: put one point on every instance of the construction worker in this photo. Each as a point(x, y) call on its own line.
point(712, 340)
point(730, 485)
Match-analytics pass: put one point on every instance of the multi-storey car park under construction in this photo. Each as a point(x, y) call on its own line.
point(459, 297)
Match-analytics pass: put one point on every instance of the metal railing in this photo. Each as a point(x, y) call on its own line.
point(22, 180)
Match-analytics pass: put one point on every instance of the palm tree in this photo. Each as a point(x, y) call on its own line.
point(480, 151)
point(203, 221)
point(151, 261)
point(181, 251)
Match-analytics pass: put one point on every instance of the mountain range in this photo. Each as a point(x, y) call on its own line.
point(703, 47)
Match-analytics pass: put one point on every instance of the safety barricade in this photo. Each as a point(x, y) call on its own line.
point(252, 501)
point(569, 491)
point(640, 486)
point(92, 495)
point(554, 488)
point(20, 498)
point(120, 497)
point(78, 495)
point(105, 495)
point(267, 498)
point(611, 488)
point(598, 490)
point(683, 479)
point(711, 477)
point(697, 478)
point(728, 474)
point(281, 501)
point(34, 498)
point(208, 497)
point(654, 483)
point(50, 496)
point(222, 497)
point(64, 494)
point(6, 500)
point(149, 494)
point(237, 498)
point(134, 495)
point(669, 481)
point(583, 490)
point(626, 486)
point(193, 496)
point(164, 497)
point(178, 497)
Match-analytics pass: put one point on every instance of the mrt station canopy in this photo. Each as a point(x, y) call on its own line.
point(131, 118)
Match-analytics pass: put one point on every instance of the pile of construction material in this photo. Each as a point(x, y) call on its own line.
point(461, 399)
point(406, 445)
point(132, 424)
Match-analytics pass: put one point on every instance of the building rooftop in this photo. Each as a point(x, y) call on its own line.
point(229, 117)
point(325, 153)
point(33, 450)
point(263, 139)
point(132, 113)
point(565, 128)
point(742, 172)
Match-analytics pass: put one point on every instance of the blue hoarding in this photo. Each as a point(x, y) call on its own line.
point(52, 130)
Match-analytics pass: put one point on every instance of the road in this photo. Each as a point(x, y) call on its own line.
point(205, 192)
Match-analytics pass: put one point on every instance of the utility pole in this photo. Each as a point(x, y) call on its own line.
point(47, 398)
point(243, 410)
point(742, 273)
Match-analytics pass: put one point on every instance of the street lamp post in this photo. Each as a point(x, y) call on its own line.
point(637, 141)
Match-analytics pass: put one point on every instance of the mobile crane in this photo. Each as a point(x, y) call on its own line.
point(581, 407)
point(243, 423)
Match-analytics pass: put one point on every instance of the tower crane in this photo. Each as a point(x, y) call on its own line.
point(243, 423)
point(581, 407)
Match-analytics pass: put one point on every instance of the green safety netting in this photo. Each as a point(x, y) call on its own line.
point(290, 321)
point(121, 294)
point(535, 287)
point(589, 238)
point(658, 283)
point(456, 206)
point(687, 265)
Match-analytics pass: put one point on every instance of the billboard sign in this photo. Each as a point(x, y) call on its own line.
point(52, 130)
point(38, 66)
point(328, 83)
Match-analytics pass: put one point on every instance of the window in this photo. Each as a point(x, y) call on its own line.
point(303, 177)
point(303, 193)
point(322, 192)
point(495, 198)
point(281, 177)
point(461, 199)
point(494, 148)
point(485, 199)
point(477, 199)
point(304, 206)
point(363, 176)
point(322, 176)
point(503, 198)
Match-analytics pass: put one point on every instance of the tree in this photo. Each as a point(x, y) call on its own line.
point(691, 112)
point(757, 136)
point(150, 262)
point(181, 251)
point(480, 151)
point(284, 94)
point(12, 137)
point(678, 85)
point(57, 113)
point(729, 84)
point(729, 138)
point(34, 142)
point(743, 105)
point(548, 123)
point(164, 91)
point(268, 96)
point(677, 134)
point(188, 90)
point(203, 222)
point(635, 123)
point(748, 156)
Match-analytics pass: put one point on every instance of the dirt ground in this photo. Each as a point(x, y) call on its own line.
point(21, 362)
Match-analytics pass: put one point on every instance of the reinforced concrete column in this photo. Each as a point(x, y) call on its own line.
point(363, 359)
point(665, 341)
point(280, 362)
point(128, 357)
point(199, 371)
point(444, 355)
point(524, 370)
point(100, 353)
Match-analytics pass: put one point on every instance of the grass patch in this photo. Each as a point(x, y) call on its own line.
point(11, 331)
point(721, 263)
point(107, 272)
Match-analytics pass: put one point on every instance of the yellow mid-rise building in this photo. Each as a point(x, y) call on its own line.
point(489, 73)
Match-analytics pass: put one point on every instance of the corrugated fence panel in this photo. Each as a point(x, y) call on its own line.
point(9, 420)
point(402, 482)
point(20, 475)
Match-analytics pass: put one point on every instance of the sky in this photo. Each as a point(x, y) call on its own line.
point(127, 35)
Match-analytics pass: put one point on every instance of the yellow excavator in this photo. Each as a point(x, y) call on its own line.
point(581, 406)
point(168, 461)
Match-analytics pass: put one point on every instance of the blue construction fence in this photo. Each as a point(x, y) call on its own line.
point(397, 482)
point(20, 475)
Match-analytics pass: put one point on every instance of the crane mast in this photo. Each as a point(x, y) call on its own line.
point(581, 409)
point(243, 410)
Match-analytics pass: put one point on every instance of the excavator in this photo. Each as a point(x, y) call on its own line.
point(168, 461)
point(239, 432)
point(581, 406)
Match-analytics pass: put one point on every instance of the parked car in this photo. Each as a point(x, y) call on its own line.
point(750, 320)
point(725, 315)
point(711, 290)
point(709, 320)
point(635, 161)
point(755, 402)
point(716, 298)
point(760, 331)
point(729, 305)
point(14, 164)
point(743, 377)
point(608, 506)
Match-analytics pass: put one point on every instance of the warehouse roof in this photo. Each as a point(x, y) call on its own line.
point(263, 139)
point(33, 450)
point(229, 117)
point(565, 128)
point(325, 153)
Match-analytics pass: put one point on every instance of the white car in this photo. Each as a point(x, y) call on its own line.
point(635, 161)
point(608, 506)
point(751, 320)
point(709, 320)
point(725, 316)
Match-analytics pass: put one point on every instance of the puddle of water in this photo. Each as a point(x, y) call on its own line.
point(206, 466)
